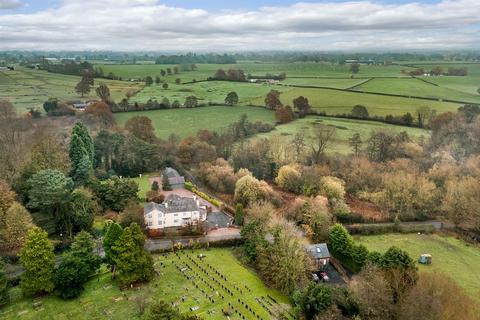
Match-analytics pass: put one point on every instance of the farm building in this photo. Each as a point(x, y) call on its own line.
point(320, 254)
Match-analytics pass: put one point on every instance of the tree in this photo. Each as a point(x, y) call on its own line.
point(424, 116)
point(359, 112)
point(4, 295)
point(220, 74)
point(272, 100)
point(84, 86)
point(191, 102)
point(49, 193)
point(100, 113)
point(14, 227)
point(316, 299)
point(157, 80)
point(248, 190)
point(50, 105)
point(160, 310)
point(289, 179)
point(7, 198)
point(461, 202)
point(284, 115)
point(166, 182)
point(113, 233)
point(103, 92)
point(148, 81)
point(155, 186)
point(81, 154)
point(77, 266)
point(134, 264)
point(83, 208)
point(354, 68)
point(231, 99)
point(239, 214)
point(175, 70)
point(321, 138)
point(132, 213)
point(400, 272)
point(37, 258)
point(302, 106)
point(116, 193)
point(163, 73)
point(142, 128)
point(178, 81)
point(165, 86)
point(253, 236)
point(355, 142)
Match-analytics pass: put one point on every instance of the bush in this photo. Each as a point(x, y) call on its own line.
point(191, 187)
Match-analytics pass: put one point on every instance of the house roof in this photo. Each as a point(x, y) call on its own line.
point(176, 180)
point(319, 251)
point(171, 173)
point(173, 203)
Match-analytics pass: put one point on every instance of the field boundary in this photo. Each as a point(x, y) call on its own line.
point(359, 84)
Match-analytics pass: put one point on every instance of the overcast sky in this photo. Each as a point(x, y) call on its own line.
point(214, 25)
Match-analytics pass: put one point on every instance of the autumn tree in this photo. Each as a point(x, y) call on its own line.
point(284, 115)
point(302, 106)
point(231, 99)
point(83, 208)
point(461, 202)
point(272, 100)
point(100, 113)
point(84, 86)
point(103, 92)
point(134, 263)
point(289, 179)
point(142, 128)
point(14, 227)
point(38, 260)
point(133, 213)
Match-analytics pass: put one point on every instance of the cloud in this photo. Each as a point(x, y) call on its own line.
point(149, 25)
point(10, 4)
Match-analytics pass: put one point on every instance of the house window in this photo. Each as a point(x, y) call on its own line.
point(175, 215)
point(149, 223)
point(175, 221)
point(149, 216)
point(160, 222)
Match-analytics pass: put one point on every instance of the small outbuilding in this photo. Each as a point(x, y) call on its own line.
point(320, 254)
point(425, 259)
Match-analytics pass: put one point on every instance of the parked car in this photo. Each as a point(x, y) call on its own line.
point(324, 276)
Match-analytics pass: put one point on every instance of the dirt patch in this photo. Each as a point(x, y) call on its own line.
point(368, 211)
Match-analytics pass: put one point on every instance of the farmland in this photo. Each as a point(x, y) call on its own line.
point(185, 122)
point(103, 299)
point(27, 88)
point(451, 256)
point(345, 128)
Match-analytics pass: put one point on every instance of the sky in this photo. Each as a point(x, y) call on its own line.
point(214, 25)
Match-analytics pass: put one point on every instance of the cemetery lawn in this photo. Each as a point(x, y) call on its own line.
point(451, 256)
point(102, 299)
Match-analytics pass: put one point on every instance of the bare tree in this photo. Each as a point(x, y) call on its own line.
point(321, 137)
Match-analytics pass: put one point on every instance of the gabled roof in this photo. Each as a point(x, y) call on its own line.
point(319, 251)
point(172, 204)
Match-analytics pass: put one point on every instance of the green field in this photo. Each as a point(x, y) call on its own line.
point(324, 82)
point(416, 87)
point(339, 102)
point(185, 122)
point(102, 300)
point(450, 256)
point(211, 91)
point(345, 128)
point(144, 184)
point(27, 88)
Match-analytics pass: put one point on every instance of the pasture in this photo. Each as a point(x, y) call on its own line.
point(344, 129)
point(212, 284)
point(451, 256)
point(341, 102)
point(26, 88)
point(184, 122)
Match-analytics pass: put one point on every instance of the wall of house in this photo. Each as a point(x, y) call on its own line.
point(158, 220)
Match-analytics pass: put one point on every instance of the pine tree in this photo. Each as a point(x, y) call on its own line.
point(38, 259)
point(114, 232)
point(239, 214)
point(134, 264)
point(81, 154)
point(166, 183)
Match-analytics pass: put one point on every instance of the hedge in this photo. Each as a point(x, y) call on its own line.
point(191, 187)
point(381, 228)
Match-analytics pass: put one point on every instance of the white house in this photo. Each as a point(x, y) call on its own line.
point(175, 211)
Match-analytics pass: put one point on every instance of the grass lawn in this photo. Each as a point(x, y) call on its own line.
point(31, 88)
point(144, 184)
point(324, 82)
point(339, 102)
point(185, 122)
point(345, 128)
point(450, 256)
point(103, 300)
